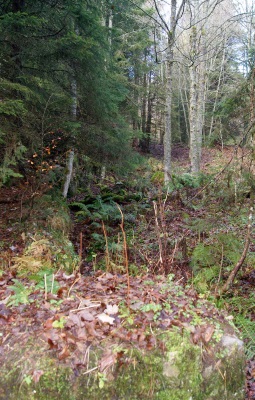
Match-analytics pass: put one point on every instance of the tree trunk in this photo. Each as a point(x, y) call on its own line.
point(197, 89)
point(18, 5)
point(193, 111)
point(69, 173)
point(74, 108)
point(169, 95)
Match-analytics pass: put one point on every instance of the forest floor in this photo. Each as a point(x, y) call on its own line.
point(147, 256)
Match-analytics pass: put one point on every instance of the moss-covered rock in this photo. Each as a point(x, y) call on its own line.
point(177, 369)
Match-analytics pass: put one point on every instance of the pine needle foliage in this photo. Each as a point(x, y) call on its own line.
point(47, 49)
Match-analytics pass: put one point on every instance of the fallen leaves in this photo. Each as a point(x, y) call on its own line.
point(98, 310)
point(106, 318)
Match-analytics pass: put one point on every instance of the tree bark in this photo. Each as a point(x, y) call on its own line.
point(69, 173)
point(169, 96)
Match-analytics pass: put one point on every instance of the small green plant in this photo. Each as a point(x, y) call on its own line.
point(59, 323)
point(188, 180)
point(205, 278)
point(98, 210)
point(21, 294)
point(13, 154)
point(218, 332)
point(156, 308)
point(222, 249)
point(27, 379)
point(45, 280)
point(102, 379)
point(125, 313)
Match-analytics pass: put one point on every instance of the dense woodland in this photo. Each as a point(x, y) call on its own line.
point(127, 147)
point(101, 79)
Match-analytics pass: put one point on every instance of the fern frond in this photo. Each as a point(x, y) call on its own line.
point(248, 330)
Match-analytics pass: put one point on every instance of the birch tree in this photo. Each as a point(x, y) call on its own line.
point(207, 20)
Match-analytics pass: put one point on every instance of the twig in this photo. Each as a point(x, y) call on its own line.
point(76, 280)
point(80, 249)
point(158, 234)
point(125, 251)
point(85, 308)
point(221, 265)
point(107, 256)
point(45, 287)
point(52, 283)
point(90, 370)
point(174, 251)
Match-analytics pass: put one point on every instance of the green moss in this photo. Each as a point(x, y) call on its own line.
point(177, 373)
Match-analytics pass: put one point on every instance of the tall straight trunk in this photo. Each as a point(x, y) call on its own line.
point(182, 88)
point(197, 89)
point(144, 102)
point(70, 160)
point(193, 109)
point(201, 86)
point(218, 88)
point(169, 94)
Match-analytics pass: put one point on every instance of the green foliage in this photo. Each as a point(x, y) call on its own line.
point(59, 323)
point(158, 177)
point(99, 210)
point(188, 181)
point(223, 248)
point(21, 294)
point(51, 48)
point(185, 180)
point(205, 278)
point(203, 255)
point(45, 281)
point(247, 326)
point(13, 154)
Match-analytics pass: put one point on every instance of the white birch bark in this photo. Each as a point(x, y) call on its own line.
point(69, 173)
point(193, 101)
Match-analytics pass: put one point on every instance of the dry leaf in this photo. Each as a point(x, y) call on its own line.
point(90, 328)
point(73, 320)
point(107, 361)
point(105, 318)
point(64, 353)
point(48, 323)
point(85, 315)
point(207, 335)
point(37, 375)
point(111, 310)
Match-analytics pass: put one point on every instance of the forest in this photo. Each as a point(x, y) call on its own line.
point(127, 186)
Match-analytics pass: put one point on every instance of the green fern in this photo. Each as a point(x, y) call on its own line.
point(223, 248)
point(205, 278)
point(84, 211)
point(21, 294)
point(45, 277)
point(248, 332)
point(203, 256)
point(12, 155)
